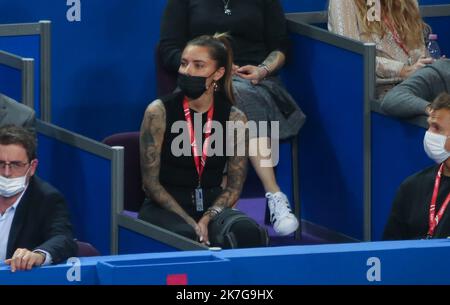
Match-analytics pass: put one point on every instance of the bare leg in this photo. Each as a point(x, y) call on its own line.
point(257, 156)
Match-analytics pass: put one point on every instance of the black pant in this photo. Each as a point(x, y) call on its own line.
point(156, 215)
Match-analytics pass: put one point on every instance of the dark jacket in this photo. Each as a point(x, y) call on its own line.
point(42, 222)
point(412, 96)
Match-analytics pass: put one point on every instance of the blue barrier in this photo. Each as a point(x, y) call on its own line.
point(32, 40)
point(11, 82)
point(82, 170)
point(331, 168)
point(373, 263)
point(397, 152)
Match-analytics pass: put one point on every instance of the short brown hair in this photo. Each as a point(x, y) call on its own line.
point(441, 102)
point(16, 135)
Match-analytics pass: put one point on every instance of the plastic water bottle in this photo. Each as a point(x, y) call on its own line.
point(433, 47)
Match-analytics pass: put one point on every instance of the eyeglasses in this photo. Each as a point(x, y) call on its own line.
point(13, 165)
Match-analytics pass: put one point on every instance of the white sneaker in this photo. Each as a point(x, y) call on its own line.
point(283, 220)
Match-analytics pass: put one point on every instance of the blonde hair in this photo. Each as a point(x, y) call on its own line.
point(404, 16)
point(220, 50)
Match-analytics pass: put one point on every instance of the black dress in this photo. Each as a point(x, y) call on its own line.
point(178, 174)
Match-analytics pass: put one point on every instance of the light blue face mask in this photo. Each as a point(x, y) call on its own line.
point(434, 145)
point(12, 186)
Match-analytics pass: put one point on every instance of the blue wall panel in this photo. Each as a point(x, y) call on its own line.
point(397, 152)
point(11, 82)
point(85, 181)
point(26, 46)
point(330, 92)
point(291, 6)
point(440, 26)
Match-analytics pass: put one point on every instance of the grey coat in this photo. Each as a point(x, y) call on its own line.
point(412, 96)
point(12, 112)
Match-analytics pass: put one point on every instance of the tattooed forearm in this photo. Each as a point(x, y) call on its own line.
point(237, 164)
point(151, 139)
point(274, 61)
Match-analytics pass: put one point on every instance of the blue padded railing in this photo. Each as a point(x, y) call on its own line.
point(385, 263)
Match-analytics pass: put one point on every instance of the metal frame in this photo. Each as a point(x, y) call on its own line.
point(42, 28)
point(26, 66)
point(301, 23)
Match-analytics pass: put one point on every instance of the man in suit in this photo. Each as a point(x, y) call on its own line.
point(34, 220)
point(12, 112)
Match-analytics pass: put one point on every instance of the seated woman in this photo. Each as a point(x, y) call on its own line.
point(398, 32)
point(259, 42)
point(183, 186)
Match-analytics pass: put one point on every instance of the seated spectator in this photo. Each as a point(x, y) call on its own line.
point(34, 221)
point(260, 44)
point(12, 112)
point(420, 206)
point(413, 96)
point(184, 193)
point(397, 30)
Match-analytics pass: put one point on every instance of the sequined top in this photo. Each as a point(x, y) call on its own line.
point(391, 58)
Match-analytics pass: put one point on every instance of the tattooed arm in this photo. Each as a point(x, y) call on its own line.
point(236, 168)
point(151, 138)
point(271, 64)
point(237, 163)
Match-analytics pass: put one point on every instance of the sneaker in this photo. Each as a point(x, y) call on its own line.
point(283, 220)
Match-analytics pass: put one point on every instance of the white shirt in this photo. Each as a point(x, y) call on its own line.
point(6, 221)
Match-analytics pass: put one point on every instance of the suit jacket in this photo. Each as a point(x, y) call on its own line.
point(12, 112)
point(42, 222)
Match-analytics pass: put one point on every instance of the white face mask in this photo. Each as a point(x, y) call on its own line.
point(12, 186)
point(434, 145)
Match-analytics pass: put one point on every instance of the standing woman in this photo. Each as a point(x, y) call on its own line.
point(398, 33)
point(184, 190)
point(259, 42)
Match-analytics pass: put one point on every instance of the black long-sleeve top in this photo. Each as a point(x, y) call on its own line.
point(411, 207)
point(257, 28)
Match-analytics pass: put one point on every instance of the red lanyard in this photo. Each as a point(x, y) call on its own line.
point(200, 161)
point(396, 35)
point(435, 219)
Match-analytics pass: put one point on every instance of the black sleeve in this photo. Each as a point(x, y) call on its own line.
point(58, 230)
point(397, 227)
point(275, 27)
point(174, 33)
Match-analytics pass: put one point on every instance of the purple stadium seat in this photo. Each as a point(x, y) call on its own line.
point(86, 249)
point(133, 194)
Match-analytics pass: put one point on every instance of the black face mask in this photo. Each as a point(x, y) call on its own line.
point(192, 86)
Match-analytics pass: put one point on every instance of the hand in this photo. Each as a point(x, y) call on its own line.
point(409, 70)
point(234, 69)
point(203, 225)
point(253, 73)
point(24, 259)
